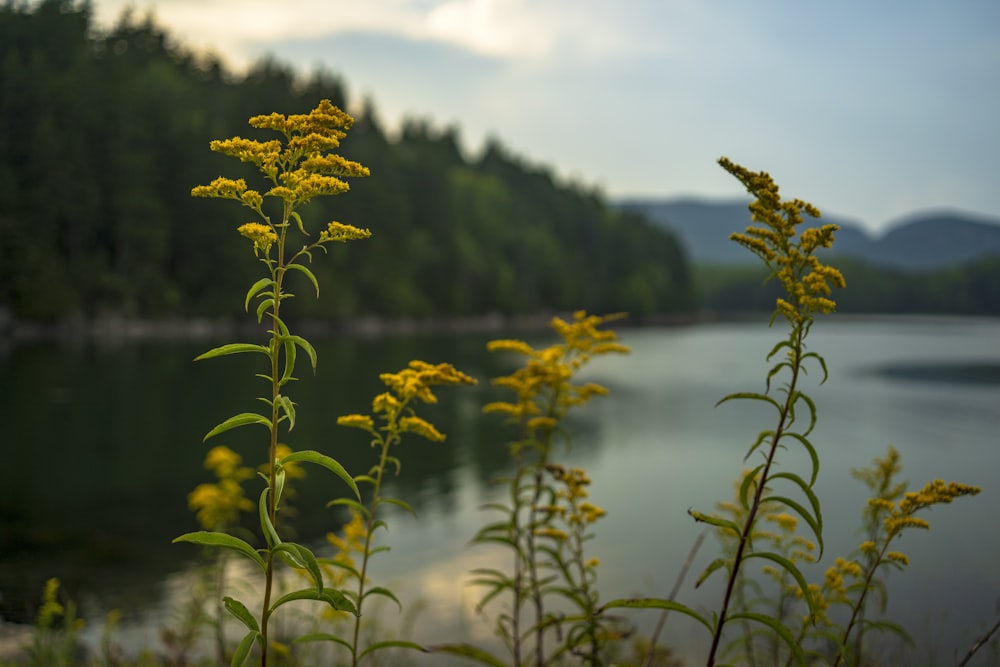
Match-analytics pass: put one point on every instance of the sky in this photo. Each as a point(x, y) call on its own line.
point(870, 109)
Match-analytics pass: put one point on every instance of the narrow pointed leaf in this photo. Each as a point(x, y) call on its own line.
point(814, 457)
point(309, 275)
point(298, 221)
point(236, 421)
point(305, 560)
point(399, 503)
point(748, 481)
point(384, 592)
point(471, 652)
point(262, 308)
point(334, 598)
point(243, 650)
point(377, 646)
point(350, 502)
point(307, 346)
point(330, 464)
point(656, 603)
point(224, 540)
point(241, 613)
point(789, 567)
point(754, 396)
point(716, 521)
point(814, 524)
point(232, 348)
point(270, 534)
point(322, 637)
point(289, 409)
point(716, 564)
point(779, 628)
point(254, 290)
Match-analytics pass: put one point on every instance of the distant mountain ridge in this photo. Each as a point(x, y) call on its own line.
point(923, 241)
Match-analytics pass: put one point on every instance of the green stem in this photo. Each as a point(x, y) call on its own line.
point(373, 506)
point(277, 274)
point(796, 337)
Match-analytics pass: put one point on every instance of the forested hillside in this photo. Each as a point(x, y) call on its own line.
point(103, 135)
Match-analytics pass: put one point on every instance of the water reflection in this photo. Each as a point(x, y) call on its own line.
point(107, 444)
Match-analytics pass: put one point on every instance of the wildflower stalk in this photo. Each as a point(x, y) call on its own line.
point(395, 410)
point(889, 513)
point(298, 168)
point(542, 551)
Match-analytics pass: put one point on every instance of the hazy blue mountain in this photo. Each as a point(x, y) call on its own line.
point(923, 240)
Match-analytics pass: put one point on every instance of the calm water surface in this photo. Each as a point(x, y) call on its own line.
point(103, 444)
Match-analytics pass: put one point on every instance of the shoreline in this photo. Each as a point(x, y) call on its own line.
point(126, 330)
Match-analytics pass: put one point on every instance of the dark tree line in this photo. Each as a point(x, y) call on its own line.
point(103, 135)
point(970, 289)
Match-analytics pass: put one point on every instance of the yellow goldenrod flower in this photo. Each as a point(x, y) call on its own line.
point(897, 557)
point(554, 533)
point(342, 233)
point(364, 422)
point(420, 427)
point(263, 237)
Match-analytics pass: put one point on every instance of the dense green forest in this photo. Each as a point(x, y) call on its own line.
point(970, 289)
point(103, 135)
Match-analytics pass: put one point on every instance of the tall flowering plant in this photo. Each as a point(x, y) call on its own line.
point(297, 167)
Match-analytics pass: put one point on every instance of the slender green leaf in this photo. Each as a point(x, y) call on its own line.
point(298, 221)
point(822, 364)
point(749, 480)
point(378, 646)
point(241, 613)
point(350, 502)
point(384, 592)
point(332, 597)
point(887, 626)
point(806, 490)
point(777, 347)
point(810, 450)
point(308, 273)
point(779, 628)
point(399, 503)
point(243, 650)
point(289, 409)
point(262, 308)
point(270, 534)
point(716, 521)
point(789, 567)
point(716, 564)
point(323, 637)
point(236, 421)
point(307, 347)
point(656, 603)
point(761, 437)
point(330, 464)
point(213, 539)
point(814, 523)
point(232, 348)
point(812, 411)
point(254, 290)
point(751, 395)
point(308, 562)
point(289, 371)
point(471, 652)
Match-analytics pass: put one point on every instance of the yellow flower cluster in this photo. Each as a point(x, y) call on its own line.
point(412, 383)
point(806, 280)
point(543, 384)
point(337, 231)
point(300, 168)
point(263, 236)
point(933, 493)
point(218, 506)
point(575, 482)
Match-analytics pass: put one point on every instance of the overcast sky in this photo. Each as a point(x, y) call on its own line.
point(871, 109)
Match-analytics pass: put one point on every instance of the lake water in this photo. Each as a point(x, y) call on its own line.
point(103, 443)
